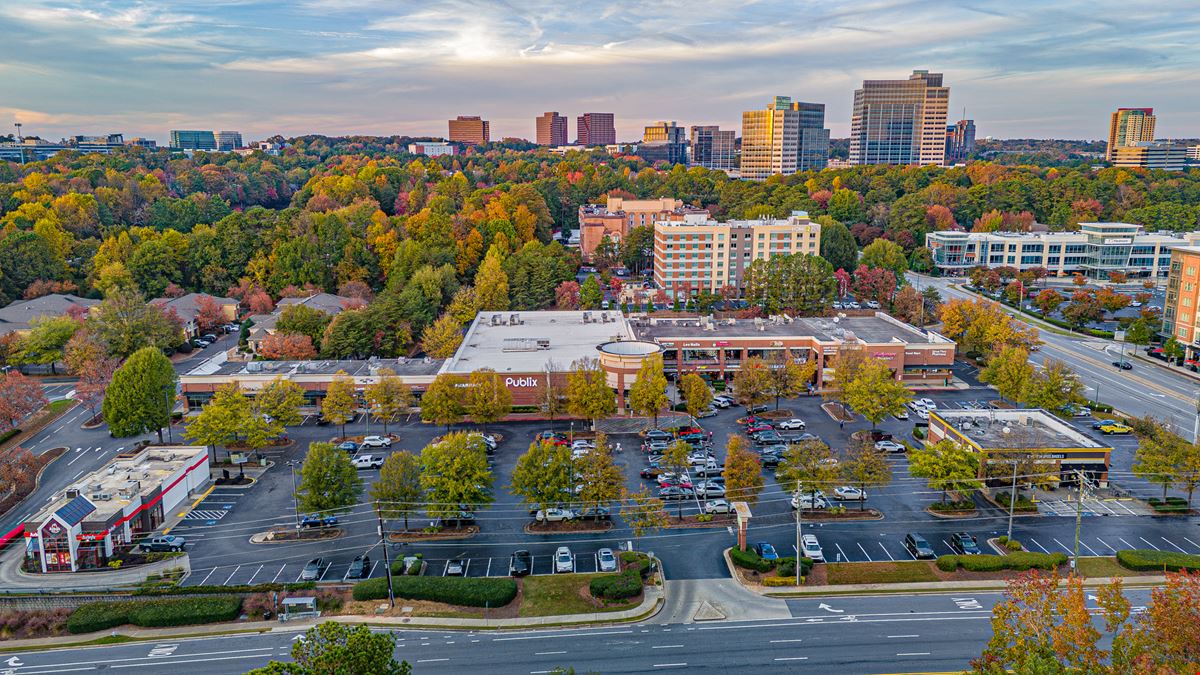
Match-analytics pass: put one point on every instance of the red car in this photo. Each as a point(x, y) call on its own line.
point(675, 483)
point(759, 427)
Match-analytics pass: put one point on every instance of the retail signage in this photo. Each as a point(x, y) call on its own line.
point(691, 344)
point(520, 382)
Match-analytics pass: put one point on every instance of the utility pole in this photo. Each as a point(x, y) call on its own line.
point(1012, 499)
point(387, 563)
point(1078, 518)
point(295, 498)
point(799, 551)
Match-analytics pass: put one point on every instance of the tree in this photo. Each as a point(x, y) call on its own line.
point(1187, 469)
point(141, 394)
point(644, 513)
point(398, 492)
point(874, 283)
point(743, 471)
point(865, 467)
point(487, 399)
point(491, 284)
point(753, 382)
point(387, 398)
point(543, 475)
point(600, 479)
point(588, 393)
point(801, 283)
point(946, 465)
point(442, 338)
point(696, 393)
point(287, 347)
point(1166, 637)
point(675, 460)
point(332, 647)
point(551, 397)
point(455, 475)
point(1009, 371)
point(875, 393)
point(82, 350)
point(845, 364)
point(209, 314)
point(329, 483)
point(1172, 350)
point(1052, 387)
point(1156, 458)
point(442, 402)
point(125, 323)
point(1083, 309)
point(887, 255)
point(590, 294)
point(20, 397)
point(807, 467)
point(838, 245)
point(788, 379)
point(648, 393)
point(1139, 332)
point(280, 400)
point(979, 327)
point(909, 306)
point(45, 342)
point(566, 296)
point(1048, 300)
point(93, 381)
point(339, 405)
point(221, 420)
point(303, 320)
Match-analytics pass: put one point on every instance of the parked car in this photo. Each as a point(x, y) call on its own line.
point(200, 344)
point(889, 446)
point(755, 409)
point(1116, 428)
point(928, 404)
point(314, 520)
point(707, 412)
point(651, 472)
point(766, 551)
point(717, 506)
point(656, 447)
point(918, 546)
point(314, 569)
point(210, 337)
point(812, 548)
point(583, 444)
point(758, 427)
point(922, 414)
point(847, 492)
point(360, 567)
point(722, 401)
point(520, 563)
point(456, 567)
point(872, 304)
point(606, 561)
point(657, 435)
point(564, 560)
point(462, 517)
point(349, 446)
point(768, 438)
point(769, 460)
point(806, 501)
point(376, 442)
point(793, 423)
point(1123, 365)
point(554, 515)
point(367, 461)
point(675, 481)
point(707, 489)
point(901, 415)
point(167, 542)
point(595, 513)
point(964, 544)
point(672, 493)
point(710, 471)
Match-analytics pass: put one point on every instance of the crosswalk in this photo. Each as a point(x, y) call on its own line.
point(206, 514)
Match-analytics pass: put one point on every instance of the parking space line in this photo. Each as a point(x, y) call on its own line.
point(885, 551)
point(865, 554)
point(210, 573)
point(841, 552)
point(1064, 546)
point(235, 569)
point(281, 567)
point(1126, 543)
point(1149, 544)
point(1191, 542)
point(372, 572)
point(255, 574)
point(1172, 543)
point(467, 567)
point(1106, 545)
point(1035, 543)
point(446, 567)
point(1122, 505)
point(1084, 544)
point(488, 573)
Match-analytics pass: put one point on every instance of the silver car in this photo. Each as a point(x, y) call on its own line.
point(606, 560)
point(564, 560)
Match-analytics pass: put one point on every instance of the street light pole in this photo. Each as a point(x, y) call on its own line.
point(387, 563)
point(1196, 421)
point(295, 498)
point(1012, 499)
point(799, 551)
point(1078, 519)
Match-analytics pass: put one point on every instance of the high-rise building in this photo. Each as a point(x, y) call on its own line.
point(960, 140)
point(1181, 310)
point(1129, 126)
point(664, 131)
point(228, 140)
point(193, 140)
point(900, 121)
point(786, 137)
point(664, 142)
point(469, 129)
point(1151, 155)
point(552, 129)
point(596, 128)
point(713, 148)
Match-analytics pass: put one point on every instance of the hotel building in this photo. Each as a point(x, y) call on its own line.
point(1129, 126)
point(619, 215)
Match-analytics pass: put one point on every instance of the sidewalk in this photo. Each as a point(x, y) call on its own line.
point(13, 579)
point(939, 587)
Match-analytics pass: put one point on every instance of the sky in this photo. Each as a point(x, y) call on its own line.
point(1020, 68)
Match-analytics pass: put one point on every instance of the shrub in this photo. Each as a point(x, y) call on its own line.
point(95, 616)
point(244, 588)
point(749, 560)
point(1026, 560)
point(961, 505)
point(983, 563)
point(786, 567)
point(947, 563)
point(782, 580)
point(33, 623)
point(1147, 560)
point(468, 592)
point(918, 434)
point(1013, 545)
point(1171, 505)
point(627, 584)
point(1003, 539)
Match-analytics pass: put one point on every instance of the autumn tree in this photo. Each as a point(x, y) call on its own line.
point(807, 467)
point(387, 398)
point(141, 395)
point(600, 479)
point(491, 284)
point(94, 378)
point(643, 513)
point(566, 296)
point(946, 465)
point(287, 347)
point(979, 327)
point(125, 322)
point(329, 483)
point(455, 475)
point(1009, 371)
point(696, 393)
point(588, 393)
point(875, 392)
point(788, 379)
point(752, 382)
point(442, 338)
point(1048, 300)
point(398, 492)
point(845, 365)
point(1052, 387)
point(909, 306)
point(220, 420)
point(884, 254)
point(487, 399)
point(20, 397)
point(551, 395)
point(300, 319)
point(676, 461)
point(648, 393)
point(1156, 458)
point(743, 471)
point(209, 315)
point(864, 467)
point(340, 404)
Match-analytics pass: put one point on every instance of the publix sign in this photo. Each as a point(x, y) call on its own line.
point(520, 382)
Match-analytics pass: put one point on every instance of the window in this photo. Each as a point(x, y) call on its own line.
point(1187, 302)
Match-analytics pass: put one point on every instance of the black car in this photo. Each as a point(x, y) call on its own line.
point(918, 546)
point(520, 563)
point(964, 544)
point(1123, 365)
point(768, 438)
point(360, 567)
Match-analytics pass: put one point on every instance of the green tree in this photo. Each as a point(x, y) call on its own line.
point(442, 402)
point(588, 393)
point(329, 483)
point(946, 465)
point(221, 420)
point(807, 467)
point(303, 320)
point(455, 475)
point(846, 206)
point(875, 393)
point(590, 295)
point(788, 379)
point(1052, 387)
point(280, 400)
point(332, 647)
point(648, 393)
point(752, 382)
point(442, 338)
point(398, 492)
point(491, 284)
point(487, 399)
point(675, 460)
point(141, 394)
point(1172, 350)
point(838, 246)
point(1157, 457)
point(696, 393)
point(743, 471)
point(125, 323)
point(1139, 333)
point(543, 475)
point(387, 398)
point(643, 513)
point(865, 467)
point(600, 479)
point(887, 255)
point(45, 342)
point(339, 404)
point(1009, 372)
point(799, 283)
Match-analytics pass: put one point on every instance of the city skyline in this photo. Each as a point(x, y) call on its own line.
point(341, 66)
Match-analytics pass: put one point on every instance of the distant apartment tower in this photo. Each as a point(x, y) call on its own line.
point(713, 148)
point(182, 139)
point(1129, 126)
point(552, 129)
point(1151, 155)
point(469, 129)
point(900, 121)
point(786, 137)
point(596, 129)
point(960, 140)
point(1181, 310)
point(229, 140)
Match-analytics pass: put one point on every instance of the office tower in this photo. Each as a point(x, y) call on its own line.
point(193, 140)
point(596, 129)
point(1151, 155)
point(663, 142)
point(228, 140)
point(551, 129)
point(664, 131)
point(713, 148)
point(469, 129)
point(900, 121)
point(1129, 126)
point(786, 137)
point(960, 140)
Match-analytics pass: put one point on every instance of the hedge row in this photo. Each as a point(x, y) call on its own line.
point(750, 560)
point(1171, 505)
point(95, 616)
point(1147, 560)
point(627, 584)
point(1019, 561)
point(243, 588)
point(467, 592)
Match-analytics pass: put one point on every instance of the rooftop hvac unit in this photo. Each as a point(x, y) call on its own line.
point(496, 320)
point(101, 496)
point(254, 367)
point(587, 317)
point(515, 320)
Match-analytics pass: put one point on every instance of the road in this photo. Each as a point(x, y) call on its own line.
point(882, 634)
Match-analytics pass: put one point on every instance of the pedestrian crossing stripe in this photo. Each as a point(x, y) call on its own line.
point(205, 514)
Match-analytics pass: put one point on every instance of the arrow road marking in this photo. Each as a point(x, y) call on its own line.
point(15, 662)
point(827, 608)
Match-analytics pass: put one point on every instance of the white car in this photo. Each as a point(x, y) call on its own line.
point(564, 560)
point(812, 548)
point(846, 492)
point(928, 404)
point(488, 440)
point(706, 489)
point(717, 506)
point(367, 461)
point(584, 444)
point(902, 414)
point(707, 412)
point(606, 561)
point(922, 414)
point(889, 446)
point(554, 515)
point(794, 423)
point(376, 442)
point(806, 501)
point(722, 401)
point(916, 405)
point(872, 304)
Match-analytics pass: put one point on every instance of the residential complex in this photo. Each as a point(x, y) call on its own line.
point(187, 308)
point(229, 140)
point(551, 129)
point(784, 138)
point(182, 139)
point(432, 148)
point(696, 253)
point(1151, 155)
point(596, 129)
point(20, 316)
point(1181, 310)
point(960, 141)
point(900, 121)
point(713, 148)
point(1129, 126)
point(1094, 251)
point(262, 325)
point(469, 129)
point(618, 216)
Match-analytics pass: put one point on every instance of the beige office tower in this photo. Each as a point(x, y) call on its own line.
point(1127, 127)
point(788, 136)
point(900, 121)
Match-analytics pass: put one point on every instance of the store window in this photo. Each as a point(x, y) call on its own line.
point(56, 547)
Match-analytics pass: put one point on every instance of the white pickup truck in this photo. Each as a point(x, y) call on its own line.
point(367, 461)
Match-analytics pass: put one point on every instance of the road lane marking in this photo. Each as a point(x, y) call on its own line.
point(1106, 544)
point(903, 636)
point(913, 654)
point(792, 658)
point(231, 575)
point(670, 665)
point(791, 640)
point(666, 647)
point(841, 552)
point(547, 653)
point(260, 568)
point(430, 660)
point(278, 573)
point(1084, 544)
point(560, 635)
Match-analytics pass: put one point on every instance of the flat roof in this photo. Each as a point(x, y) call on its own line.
point(879, 328)
point(1032, 429)
point(535, 339)
point(220, 365)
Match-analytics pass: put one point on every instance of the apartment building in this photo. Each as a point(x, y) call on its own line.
point(1151, 155)
point(551, 129)
point(697, 253)
point(470, 129)
point(713, 148)
point(1129, 126)
point(619, 215)
point(596, 129)
point(1180, 310)
point(432, 148)
point(784, 138)
point(900, 121)
point(1094, 251)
